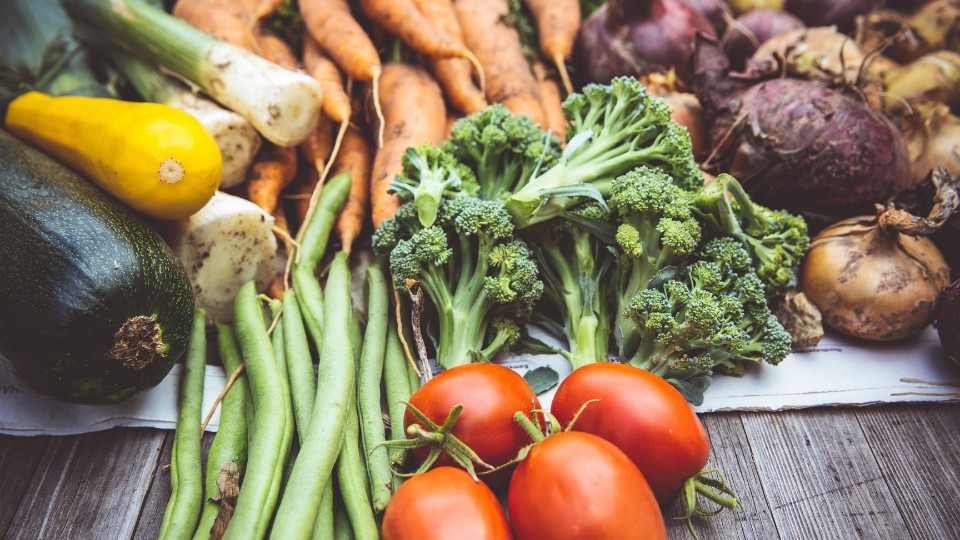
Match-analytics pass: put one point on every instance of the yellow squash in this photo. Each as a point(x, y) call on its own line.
point(154, 158)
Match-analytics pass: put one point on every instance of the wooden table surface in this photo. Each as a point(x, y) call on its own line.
point(890, 471)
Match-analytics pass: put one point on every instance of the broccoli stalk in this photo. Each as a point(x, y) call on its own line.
point(613, 129)
point(776, 240)
point(479, 277)
point(576, 266)
point(656, 231)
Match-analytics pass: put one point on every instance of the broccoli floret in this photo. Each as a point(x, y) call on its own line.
point(712, 317)
point(503, 150)
point(656, 231)
point(776, 240)
point(577, 265)
point(481, 279)
point(430, 173)
point(612, 129)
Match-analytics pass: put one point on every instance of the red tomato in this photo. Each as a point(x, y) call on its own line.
point(490, 394)
point(577, 485)
point(444, 503)
point(643, 416)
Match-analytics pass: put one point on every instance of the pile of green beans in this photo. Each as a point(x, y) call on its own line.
point(307, 444)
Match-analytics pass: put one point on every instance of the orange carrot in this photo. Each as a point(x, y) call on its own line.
point(274, 170)
point(316, 149)
point(332, 25)
point(413, 113)
point(336, 103)
point(455, 75)
point(558, 22)
point(224, 19)
point(497, 45)
point(551, 102)
point(403, 19)
point(355, 157)
point(264, 9)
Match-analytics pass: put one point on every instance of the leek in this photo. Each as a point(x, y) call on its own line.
point(237, 139)
point(283, 104)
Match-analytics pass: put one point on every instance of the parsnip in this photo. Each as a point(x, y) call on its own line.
point(227, 243)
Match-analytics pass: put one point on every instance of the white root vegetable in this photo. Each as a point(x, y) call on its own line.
point(227, 243)
point(283, 104)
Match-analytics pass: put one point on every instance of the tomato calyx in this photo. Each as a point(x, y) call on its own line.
point(440, 439)
point(710, 484)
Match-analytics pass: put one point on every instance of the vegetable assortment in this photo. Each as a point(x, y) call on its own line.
point(637, 188)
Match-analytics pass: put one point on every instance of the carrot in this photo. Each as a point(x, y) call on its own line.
point(316, 149)
point(497, 46)
point(281, 228)
point(332, 25)
point(403, 19)
point(274, 170)
point(336, 102)
point(264, 9)
point(551, 102)
point(355, 157)
point(224, 19)
point(414, 113)
point(276, 50)
point(453, 74)
point(558, 22)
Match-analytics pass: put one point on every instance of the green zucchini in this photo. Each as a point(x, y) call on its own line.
point(94, 307)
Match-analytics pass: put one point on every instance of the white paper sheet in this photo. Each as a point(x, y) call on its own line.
point(838, 372)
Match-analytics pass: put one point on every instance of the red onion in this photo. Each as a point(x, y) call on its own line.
point(715, 11)
point(797, 145)
point(839, 13)
point(637, 37)
point(752, 29)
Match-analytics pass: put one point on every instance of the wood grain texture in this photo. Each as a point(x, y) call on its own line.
point(89, 486)
point(918, 450)
point(19, 459)
point(820, 476)
point(731, 453)
point(158, 493)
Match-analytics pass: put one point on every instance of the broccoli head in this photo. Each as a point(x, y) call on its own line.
point(613, 129)
point(503, 150)
point(656, 230)
point(430, 173)
point(775, 239)
point(477, 274)
point(712, 317)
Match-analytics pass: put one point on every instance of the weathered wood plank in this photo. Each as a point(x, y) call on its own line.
point(158, 493)
point(89, 486)
point(918, 449)
point(19, 459)
point(820, 476)
point(730, 452)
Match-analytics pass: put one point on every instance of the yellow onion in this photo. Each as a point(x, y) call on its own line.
point(879, 277)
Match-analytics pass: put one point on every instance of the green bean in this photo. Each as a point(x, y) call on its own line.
point(186, 472)
point(258, 496)
point(323, 526)
point(342, 526)
point(398, 390)
point(303, 384)
point(352, 479)
point(280, 355)
point(230, 443)
point(337, 379)
point(314, 237)
point(368, 388)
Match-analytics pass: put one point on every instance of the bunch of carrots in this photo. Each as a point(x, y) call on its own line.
point(394, 74)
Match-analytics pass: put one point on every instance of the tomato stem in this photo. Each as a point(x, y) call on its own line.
point(714, 489)
point(524, 422)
